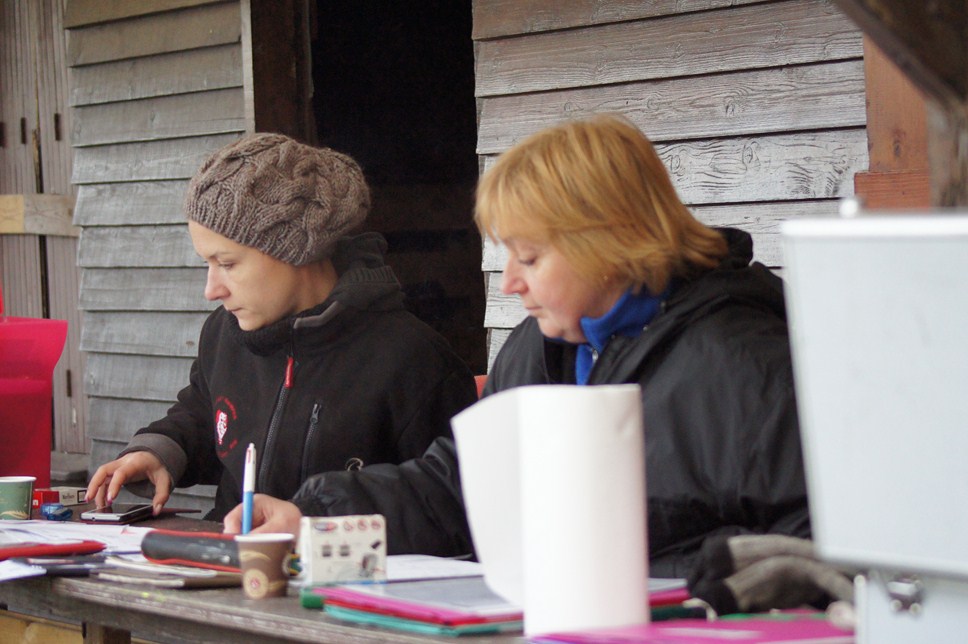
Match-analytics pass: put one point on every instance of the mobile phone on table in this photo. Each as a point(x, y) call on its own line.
point(118, 513)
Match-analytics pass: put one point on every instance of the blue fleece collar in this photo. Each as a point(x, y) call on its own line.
point(628, 317)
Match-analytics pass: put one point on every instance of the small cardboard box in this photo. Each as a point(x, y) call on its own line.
point(63, 494)
point(43, 496)
point(71, 495)
point(342, 549)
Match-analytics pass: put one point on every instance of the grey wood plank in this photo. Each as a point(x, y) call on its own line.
point(179, 72)
point(493, 18)
point(152, 160)
point(130, 203)
point(116, 420)
point(203, 26)
point(503, 311)
point(144, 289)
point(761, 35)
point(53, 112)
point(70, 405)
point(20, 274)
point(818, 165)
point(202, 113)
point(37, 214)
point(495, 340)
point(151, 333)
point(18, 55)
point(762, 220)
point(136, 377)
point(87, 12)
point(103, 451)
point(199, 497)
point(820, 96)
point(778, 167)
point(137, 246)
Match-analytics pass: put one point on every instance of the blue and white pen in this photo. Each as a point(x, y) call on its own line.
point(248, 488)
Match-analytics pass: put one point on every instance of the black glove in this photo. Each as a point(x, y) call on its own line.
point(756, 573)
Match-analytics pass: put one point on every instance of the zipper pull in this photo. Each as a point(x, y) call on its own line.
point(289, 369)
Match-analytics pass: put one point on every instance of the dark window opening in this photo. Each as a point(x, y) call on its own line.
point(394, 88)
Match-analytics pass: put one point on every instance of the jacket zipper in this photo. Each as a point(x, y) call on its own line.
point(274, 423)
point(313, 424)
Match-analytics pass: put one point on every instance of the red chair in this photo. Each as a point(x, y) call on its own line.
point(480, 380)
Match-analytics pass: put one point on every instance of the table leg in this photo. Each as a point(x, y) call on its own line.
point(99, 634)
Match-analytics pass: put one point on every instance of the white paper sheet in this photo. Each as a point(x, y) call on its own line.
point(414, 567)
point(116, 538)
point(554, 484)
point(14, 570)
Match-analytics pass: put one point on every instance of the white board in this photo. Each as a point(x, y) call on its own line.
point(878, 310)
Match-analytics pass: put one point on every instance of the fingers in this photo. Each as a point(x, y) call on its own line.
point(114, 485)
point(261, 512)
point(95, 484)
point(232, 523)
point(107, 481)
point(162, 483)
point(275, 515)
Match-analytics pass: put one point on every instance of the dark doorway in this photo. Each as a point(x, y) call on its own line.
point(394, 88)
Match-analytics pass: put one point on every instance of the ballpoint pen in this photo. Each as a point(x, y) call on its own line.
point(248, 488)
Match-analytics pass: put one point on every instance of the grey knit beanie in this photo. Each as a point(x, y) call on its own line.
point(289, 200)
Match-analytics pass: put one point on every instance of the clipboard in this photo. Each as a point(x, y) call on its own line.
point(33, 549)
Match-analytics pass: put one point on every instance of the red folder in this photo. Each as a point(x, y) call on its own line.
point(8, 551)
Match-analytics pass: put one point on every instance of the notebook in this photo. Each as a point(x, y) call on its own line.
point(878, 310)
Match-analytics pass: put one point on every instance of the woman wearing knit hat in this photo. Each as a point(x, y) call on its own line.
point(312, 356)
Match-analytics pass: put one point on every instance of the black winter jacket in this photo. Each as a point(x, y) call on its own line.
point(723, 451)
point(369, 383)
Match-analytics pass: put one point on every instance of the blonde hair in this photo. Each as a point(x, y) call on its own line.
point(597, 191)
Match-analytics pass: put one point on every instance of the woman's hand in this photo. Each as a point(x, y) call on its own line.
point(136, 466)
point(269, 514)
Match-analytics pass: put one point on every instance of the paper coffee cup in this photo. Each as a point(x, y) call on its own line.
point(264, 560)
point(16, 493)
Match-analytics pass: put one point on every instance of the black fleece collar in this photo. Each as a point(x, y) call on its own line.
point(365, 283)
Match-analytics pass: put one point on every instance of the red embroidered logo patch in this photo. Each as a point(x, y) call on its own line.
point(225, 414)
point(221, 424)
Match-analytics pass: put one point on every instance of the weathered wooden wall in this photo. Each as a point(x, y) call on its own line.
point(37, 265)
point(156, 86)
point(757, 107)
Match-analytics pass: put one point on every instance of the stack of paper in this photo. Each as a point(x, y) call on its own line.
point(455, 606)
point(135, 569)
point(21, 540)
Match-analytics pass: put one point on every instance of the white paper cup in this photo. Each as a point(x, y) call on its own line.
point(264, 560)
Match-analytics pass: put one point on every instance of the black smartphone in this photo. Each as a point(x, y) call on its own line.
point(118, 513)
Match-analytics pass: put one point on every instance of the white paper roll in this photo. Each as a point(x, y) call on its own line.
point(570, 461)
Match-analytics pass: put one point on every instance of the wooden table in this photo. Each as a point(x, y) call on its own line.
point(112, 613)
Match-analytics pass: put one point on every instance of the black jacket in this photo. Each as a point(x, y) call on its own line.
point(723, 451)
point(369, 384)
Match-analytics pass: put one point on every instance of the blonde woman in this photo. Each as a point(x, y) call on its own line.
point(623, 285)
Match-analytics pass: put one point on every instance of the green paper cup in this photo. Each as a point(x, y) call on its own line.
point(16, 493)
